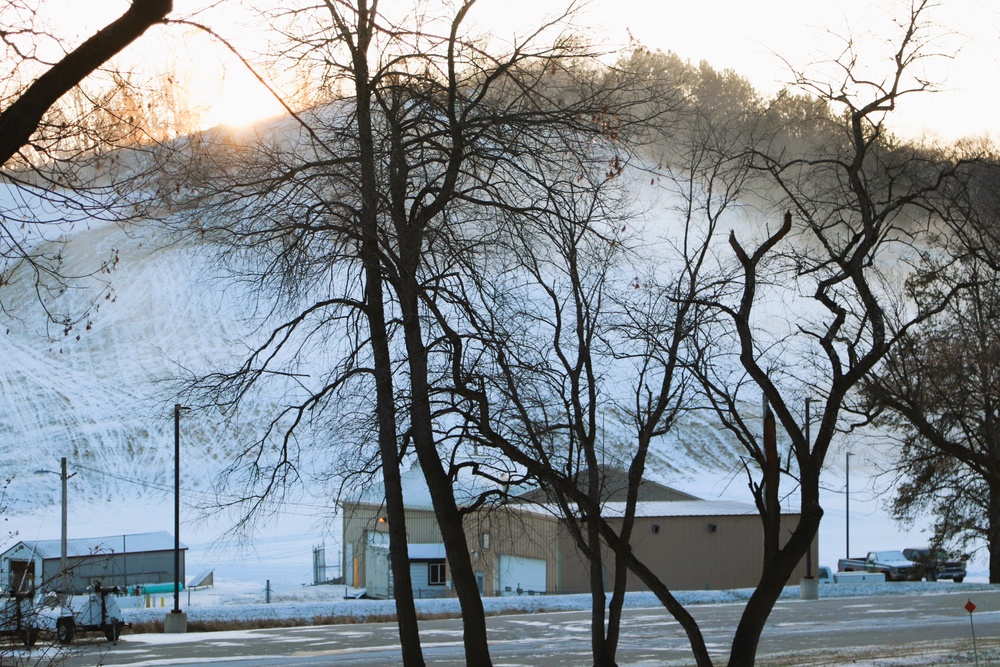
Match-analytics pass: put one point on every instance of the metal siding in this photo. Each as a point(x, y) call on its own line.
point(515, 533)
point(109, 568)
point(685, 555)
point(143, 568)
point(360, 519)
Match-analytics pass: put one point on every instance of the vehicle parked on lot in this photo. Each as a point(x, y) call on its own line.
point(98, 611)
point(893, 564)
point(934, 565)
point(17, 618)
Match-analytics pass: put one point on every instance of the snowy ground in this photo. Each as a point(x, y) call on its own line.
point(232, 602)
point(278, 556)
point(228, 602)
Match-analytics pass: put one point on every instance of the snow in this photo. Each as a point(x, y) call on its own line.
point(230, 601)
point(100, 401)
point(324, 602)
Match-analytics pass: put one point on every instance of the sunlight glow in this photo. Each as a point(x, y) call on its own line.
point(219, 88)
point(236, 99)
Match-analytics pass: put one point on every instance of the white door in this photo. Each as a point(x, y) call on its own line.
point(378, 573)
point(521, 576)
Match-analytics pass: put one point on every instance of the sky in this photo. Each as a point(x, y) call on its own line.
point(757, 39)
point(754, 38)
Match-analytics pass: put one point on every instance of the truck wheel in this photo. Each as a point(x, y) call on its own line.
point(64, 630)
point(30, 636)
point(113, 632)
point(932, 576)
point(959, 580)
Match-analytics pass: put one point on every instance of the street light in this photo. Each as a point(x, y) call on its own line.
point(809, 400)
point(179, 621)
point(177, 505)
point(847, 505)
point(62, 555)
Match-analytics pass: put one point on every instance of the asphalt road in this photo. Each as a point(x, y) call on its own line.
point(561, 639)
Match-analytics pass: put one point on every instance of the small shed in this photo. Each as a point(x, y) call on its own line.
point(116, 560)
point(428, 568)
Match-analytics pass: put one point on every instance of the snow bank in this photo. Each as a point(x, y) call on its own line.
point(360, 611)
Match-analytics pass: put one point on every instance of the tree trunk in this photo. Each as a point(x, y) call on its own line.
point(598, 643)
point(406, 613)
point(776, 572)
point(449, 518)
point(615, 608)
point(663, 594)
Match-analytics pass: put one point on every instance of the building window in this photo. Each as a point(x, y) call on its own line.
point(435, 574)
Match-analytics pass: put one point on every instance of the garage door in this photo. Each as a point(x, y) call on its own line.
point(526, 575)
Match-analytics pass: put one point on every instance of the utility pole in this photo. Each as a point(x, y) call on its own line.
point(65, 525)
point(63, 587)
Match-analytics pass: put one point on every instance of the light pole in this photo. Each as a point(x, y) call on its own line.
point(847, 505)
point(65, 521)
point(808, 448)
point(176, 620)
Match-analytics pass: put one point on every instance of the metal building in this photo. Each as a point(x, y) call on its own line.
point(524, 547)
point(116, 560)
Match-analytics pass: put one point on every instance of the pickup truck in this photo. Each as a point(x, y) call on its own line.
point(936, 565)
point(893, 564)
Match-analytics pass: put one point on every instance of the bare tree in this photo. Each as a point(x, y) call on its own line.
point(43, 137)
point(571, 300)
point(428, 133)
point(366, 211)
point(854, 211)
point(858, 202)
point(20, 118)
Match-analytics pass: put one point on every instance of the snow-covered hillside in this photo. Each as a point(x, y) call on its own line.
point(100, 395)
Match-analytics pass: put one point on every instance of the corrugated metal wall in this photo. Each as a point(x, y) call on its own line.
point(685, 552)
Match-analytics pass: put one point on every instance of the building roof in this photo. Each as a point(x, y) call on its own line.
point(667, 508)
point(416, 495)
point(614, 487)
point(88, 546)
point(469, 486)
point(683, 508)
point(415, 550)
